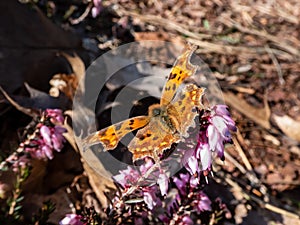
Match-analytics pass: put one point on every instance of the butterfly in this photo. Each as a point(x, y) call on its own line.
point(166, 123)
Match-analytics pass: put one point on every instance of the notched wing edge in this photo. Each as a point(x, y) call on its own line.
point(184, 60)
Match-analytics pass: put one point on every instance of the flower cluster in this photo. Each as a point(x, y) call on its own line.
point(188, 201)
point(215, 127)
point(147, 197)
point(17, 162)
point(47, 136)
point(149, 191)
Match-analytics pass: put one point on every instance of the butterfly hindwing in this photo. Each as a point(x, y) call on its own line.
point(184, 106)
point(151, 140)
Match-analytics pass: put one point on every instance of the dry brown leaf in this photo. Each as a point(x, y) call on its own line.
point(78, 68)
point(32, 49)
point(69, 84)
point(99, 178)
point(66, 83)
point(259, 116)
point(100, 184)
point(30, 112)
point(288, 126)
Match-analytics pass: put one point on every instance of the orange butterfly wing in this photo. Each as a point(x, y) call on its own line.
point(184, 106)
point(180, 71)
point(110, 136)
point(169, 127)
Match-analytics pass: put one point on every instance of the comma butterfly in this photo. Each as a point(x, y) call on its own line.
point(165, 124)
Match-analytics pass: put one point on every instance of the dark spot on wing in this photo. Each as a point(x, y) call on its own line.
point(179, 78)
point(154, 138)
point(172, 76)
point(141, 137)
point(182, 109)
point(131, 122)
point(179, 103)
point(182, 96)
point(180, 72)
point(148, 135)
point(174, 87)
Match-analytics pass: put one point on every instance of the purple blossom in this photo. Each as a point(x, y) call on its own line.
point(17, 162)
point(186, 185)
point(97, 8)
point(71, 219)
point(216, 125)
point(202, 202)
point(48, 137)
point(163, 183)
point(186, 220)
point(55, 115)
point(129, 177)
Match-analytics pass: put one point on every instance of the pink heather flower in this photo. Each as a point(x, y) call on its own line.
point(186, 220)
point(126, 178)
point(46, 135)
point(202, 203)
point(218, 132)
point(150, 197)
point(47, 138)
point(97, 8)
point(71, 219)
point(129, 177)
point(216, 125)
point(56, 116)
point(17, 162)
point(163, 183)
point(186, 184)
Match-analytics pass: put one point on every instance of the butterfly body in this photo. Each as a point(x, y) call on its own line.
point(165, 124)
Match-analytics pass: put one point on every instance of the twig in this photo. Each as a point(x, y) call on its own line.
point(241, 153)
point(276, 63)
point(279, 42)
point(259, 201)
point(83, 16)
point(235, 163)
point(158, 20)
point(235, 50)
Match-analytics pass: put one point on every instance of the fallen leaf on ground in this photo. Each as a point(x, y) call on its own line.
point(288, 126)
point(260, 116)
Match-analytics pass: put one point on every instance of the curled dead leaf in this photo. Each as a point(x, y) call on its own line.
point(288, 125)
point(69, 84)
point(66, 83)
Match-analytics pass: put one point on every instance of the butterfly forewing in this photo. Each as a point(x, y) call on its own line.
point(110, 136)
point(180, 71)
